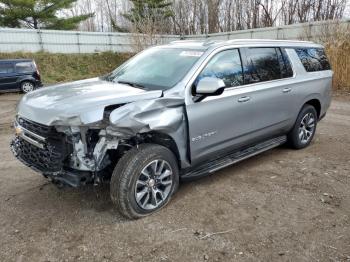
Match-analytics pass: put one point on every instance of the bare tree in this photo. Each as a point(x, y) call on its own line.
point(213, 16)
point(210, 16)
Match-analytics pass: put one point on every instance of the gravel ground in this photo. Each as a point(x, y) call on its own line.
point(283, 205)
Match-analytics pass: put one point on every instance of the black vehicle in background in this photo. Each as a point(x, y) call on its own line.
point(19, 75)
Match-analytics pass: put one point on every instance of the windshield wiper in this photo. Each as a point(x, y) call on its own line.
point(131, 84)
point(107, 77)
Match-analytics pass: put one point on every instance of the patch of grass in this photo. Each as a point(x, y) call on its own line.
point(336, 39)
point(56, 68)
point(339, 56)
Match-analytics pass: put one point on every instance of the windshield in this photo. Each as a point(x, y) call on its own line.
point(156, 69)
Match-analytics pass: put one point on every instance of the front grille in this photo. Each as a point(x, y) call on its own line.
point(42, 130)
point(48, 159)
point(45, 160)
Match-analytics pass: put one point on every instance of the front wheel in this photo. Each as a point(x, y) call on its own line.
point(144, 180)
point(304, 129)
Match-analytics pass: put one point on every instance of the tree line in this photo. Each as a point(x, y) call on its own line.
point(166, 16)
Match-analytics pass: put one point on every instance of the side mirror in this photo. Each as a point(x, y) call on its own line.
point(210, 86)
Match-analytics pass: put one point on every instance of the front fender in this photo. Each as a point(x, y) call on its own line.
point(163, 115)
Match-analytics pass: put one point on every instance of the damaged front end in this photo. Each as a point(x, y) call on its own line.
point(70, 156)
point(76, 155)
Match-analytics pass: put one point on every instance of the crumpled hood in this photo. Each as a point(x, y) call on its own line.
point(78, 103)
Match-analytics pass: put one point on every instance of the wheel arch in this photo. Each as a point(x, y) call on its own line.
point(175, 143)
point(27, 80)
point(26, 77)
point(163, 139)
point(316, 104)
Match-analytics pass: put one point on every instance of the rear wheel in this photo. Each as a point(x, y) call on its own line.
point(144, 180)
point(27, 86)
point(304, 129)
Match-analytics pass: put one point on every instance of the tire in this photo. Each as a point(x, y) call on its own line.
point(133, 176)
point(27, 87)
point(304, 128)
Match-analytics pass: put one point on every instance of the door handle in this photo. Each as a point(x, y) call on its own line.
point(287, 90)
point(244, 99)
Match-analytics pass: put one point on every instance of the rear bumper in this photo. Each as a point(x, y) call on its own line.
point(38, 84)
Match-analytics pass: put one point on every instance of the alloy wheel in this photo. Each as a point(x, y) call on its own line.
point(307, 128)
point(27, 87)
point(154, 184)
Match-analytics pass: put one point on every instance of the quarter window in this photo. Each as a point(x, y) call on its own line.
point(263, 64)
point(24, 67)
point(227, 66)
point(313, 59)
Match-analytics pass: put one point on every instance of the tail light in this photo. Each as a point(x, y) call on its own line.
point(37, 70)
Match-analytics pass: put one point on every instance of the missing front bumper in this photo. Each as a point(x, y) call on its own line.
point(48, 163)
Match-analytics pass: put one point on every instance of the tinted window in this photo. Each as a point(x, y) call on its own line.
point(285, 64)
point(313, 59)
point(24, 67)
point(263, 64)
point(6, 68)
point(227, 66)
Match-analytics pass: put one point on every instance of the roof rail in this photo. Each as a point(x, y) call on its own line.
point(266, 40)
point(187, 41)
point(208, 41)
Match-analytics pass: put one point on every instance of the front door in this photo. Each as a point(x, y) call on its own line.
point(212, 119)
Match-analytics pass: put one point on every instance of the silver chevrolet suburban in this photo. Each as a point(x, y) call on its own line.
point(174, 112)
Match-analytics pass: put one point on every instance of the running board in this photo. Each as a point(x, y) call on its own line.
point(232, 158)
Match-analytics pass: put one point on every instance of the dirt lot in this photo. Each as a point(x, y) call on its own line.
point(283, 205)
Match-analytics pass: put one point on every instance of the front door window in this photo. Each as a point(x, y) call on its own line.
point(225, 65)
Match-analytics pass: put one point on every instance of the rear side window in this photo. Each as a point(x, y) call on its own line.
point(6, 68)
point(263, 64)
point(24, 67)
point(313, 59)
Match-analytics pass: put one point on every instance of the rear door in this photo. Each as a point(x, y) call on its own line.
point(8, 76)
point(269, 76)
